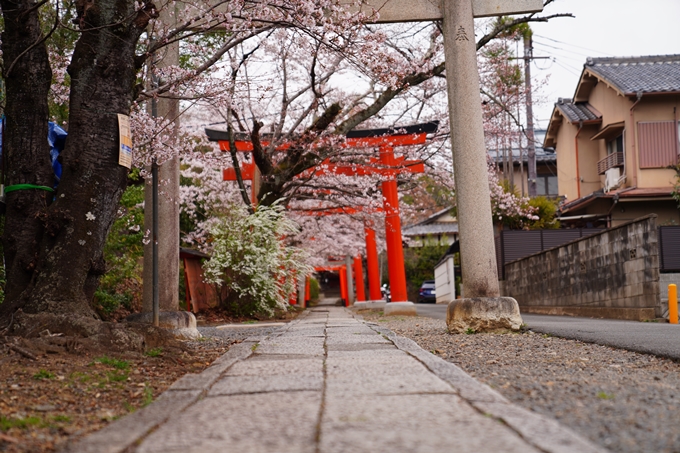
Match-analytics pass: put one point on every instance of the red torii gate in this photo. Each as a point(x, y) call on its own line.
point(385, 140)
point(372, 266)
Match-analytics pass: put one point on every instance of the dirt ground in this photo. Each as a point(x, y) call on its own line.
point(60, 393)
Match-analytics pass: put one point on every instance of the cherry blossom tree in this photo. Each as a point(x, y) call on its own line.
point(54, 237)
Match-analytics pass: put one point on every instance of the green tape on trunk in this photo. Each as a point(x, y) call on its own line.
point(27, 187)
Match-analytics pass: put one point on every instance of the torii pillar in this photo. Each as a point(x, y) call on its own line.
point(483, 308)
point(372, 266)
point(359, 279)
point(395, 250)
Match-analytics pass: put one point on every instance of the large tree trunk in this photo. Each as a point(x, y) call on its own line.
point(68, 241)
point(27, 76)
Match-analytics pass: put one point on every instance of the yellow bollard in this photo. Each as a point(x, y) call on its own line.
point(673, 304)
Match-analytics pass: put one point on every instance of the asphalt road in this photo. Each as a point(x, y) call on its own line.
point(652, 338)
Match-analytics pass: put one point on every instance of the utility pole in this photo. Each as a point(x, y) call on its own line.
point(531, 147)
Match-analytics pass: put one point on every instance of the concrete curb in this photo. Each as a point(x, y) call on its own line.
point(369, 305)
point(538, 430)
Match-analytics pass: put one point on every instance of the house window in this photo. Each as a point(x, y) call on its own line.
point(546, 185)
point(658, 144)
point(615, 146)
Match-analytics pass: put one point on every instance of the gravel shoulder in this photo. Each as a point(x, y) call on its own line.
point(622, 400)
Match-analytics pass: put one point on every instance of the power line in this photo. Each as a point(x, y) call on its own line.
point(574, 45)
point(567, 68)
point(581, 55)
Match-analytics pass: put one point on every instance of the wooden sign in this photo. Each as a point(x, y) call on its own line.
point(423, 10)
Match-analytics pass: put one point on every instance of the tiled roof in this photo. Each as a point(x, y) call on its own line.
point(575, 112)
point(541, 154)
point(432, 228)
point(631, 75)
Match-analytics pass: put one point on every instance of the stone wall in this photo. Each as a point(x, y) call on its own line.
point(612, 274)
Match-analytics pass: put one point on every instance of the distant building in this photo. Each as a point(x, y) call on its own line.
point(615, 140)
point(517, 159)
point(440, 228)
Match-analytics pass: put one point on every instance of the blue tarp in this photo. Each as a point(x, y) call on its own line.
point(56, 137)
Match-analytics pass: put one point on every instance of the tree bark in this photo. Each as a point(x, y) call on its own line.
point(67, 241)
point(27, 76)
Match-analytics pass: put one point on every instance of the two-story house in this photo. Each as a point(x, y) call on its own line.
point(440, 228)
point(615, 140)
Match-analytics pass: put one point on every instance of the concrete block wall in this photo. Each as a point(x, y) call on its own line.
point(612, 274)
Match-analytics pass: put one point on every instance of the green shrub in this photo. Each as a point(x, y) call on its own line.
point(314, 289)
point(121, 286)
point(546, 210)
point(257, 271)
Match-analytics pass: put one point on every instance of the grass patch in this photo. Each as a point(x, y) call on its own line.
point(249, 322)
point(7, 423)
point(115, 376)
point(605, 396)
point(470, 331)
point(43, 374)
point(129, 407)
point(155, 352)
point(147, 397)
point(61, 418)
point(81, 377)
point(113, 363)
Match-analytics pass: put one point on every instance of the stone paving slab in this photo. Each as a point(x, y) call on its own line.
point(412, 423)
point(266, 366)
point(329, 382)
point(259, 423)
point(359, 347)
point(233, 385)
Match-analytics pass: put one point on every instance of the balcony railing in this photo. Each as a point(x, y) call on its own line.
point(611, 161)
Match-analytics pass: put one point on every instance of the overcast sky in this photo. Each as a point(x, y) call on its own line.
point(602, 28)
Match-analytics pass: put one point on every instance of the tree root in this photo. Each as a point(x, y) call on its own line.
point(22, 351)
point(68, 333)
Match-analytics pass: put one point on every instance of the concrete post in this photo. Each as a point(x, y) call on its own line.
point(301, 291)
point(483, 308)
point(349, 264)
point(168, 205)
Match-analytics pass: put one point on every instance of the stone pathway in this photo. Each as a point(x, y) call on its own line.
point(329, 382)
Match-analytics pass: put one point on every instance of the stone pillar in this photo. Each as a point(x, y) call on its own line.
point(475, 223)
point(477, 252)
point(301, 291)
point(349, 263)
